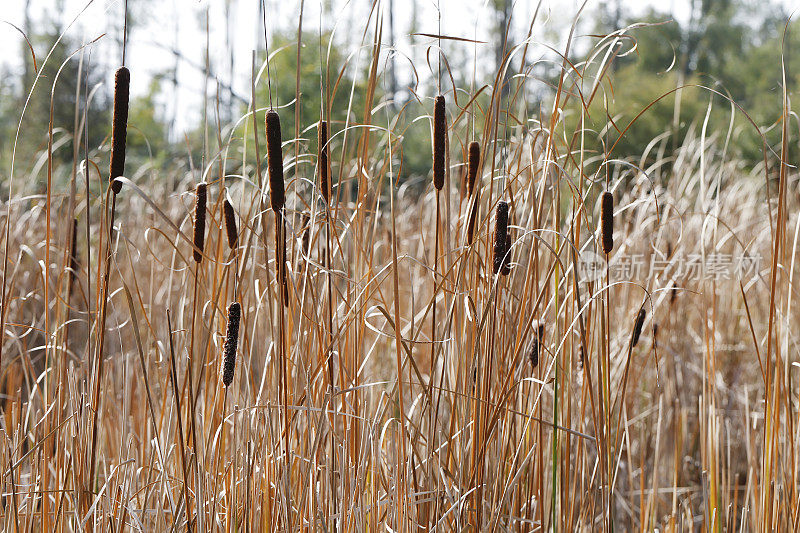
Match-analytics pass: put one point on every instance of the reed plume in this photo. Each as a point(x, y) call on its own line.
point(275, 161)
point(500, 235)
point(323, 160)
point(473, 161)
point(119, 126)
point(199, 221)
point(607, 221)
point(439, 142)
point(231, 343)
point(230, 224)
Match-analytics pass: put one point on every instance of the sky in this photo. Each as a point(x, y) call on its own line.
point(165, 25)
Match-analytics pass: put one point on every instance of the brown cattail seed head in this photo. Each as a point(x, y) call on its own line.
point(500, 235)
point(506, 268)
point(119, 126)
point(537, 341)
point(471, 224)
point(275, 161)
point(607, 221)
point(473, 161)
point(73, 252)
point(73, 256)
point(231, 343)
point(637, 327)
point(230, 224)
point(439, 135)
point(323, 161)
point(199, 221)
point(306, 239)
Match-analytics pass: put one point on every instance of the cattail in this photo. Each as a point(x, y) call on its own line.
point(199, 221)
point(275, 161)
point(471, 224)
point(506, 268)
point(637, 327)
point(306, 238)
point(119, 126)
point(230, 224)
point(607, 221)
point(500, 235)
point(323, 161)
point(231, 342)
point(537, 341)
point(655, 334)
point(73, 256)
point(473, 160)
point(439, 134)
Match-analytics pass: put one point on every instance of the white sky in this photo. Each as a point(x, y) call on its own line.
point(149, 45)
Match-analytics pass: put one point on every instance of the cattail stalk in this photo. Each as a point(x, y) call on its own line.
point(231, 343)
point(500, 235)
point(607, 221)
point(201, 193)
point(439, 142)
point(119, 127)
point(230, 224)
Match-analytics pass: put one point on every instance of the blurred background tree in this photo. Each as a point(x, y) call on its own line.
point(731, 46)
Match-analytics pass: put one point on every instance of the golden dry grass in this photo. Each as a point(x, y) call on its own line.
point(394, 389)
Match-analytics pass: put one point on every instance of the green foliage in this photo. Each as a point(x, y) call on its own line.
point(728, 47)
point(147, 132)
point(58, 78)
